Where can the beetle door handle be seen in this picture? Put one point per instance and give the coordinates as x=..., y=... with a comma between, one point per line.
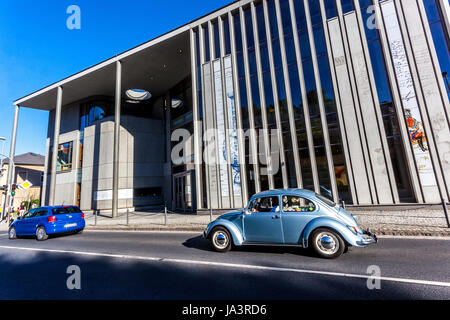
x=275, y=217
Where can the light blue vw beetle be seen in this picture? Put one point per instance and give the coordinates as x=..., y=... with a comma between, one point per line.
x=289, y=217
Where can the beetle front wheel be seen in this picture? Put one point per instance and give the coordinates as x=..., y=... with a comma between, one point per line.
x=221, y=239
x=327, y=243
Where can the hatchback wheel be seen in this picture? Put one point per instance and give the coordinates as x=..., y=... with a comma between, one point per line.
x=221, y=239
x=41, y=235
x=12, y=233
x=327, y=243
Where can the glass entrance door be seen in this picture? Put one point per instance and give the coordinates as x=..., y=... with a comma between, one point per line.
x=182, y=191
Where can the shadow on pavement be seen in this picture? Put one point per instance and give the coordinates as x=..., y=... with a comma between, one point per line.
x=200, y=243
x=25, y=275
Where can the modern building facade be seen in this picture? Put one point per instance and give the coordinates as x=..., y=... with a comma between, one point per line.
x=349, y=98
x=27, y=167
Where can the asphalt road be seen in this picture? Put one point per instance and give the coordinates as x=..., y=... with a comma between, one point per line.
x=157, y=265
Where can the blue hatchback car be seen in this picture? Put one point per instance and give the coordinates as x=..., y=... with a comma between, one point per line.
x=289, y=217
x=44, y=221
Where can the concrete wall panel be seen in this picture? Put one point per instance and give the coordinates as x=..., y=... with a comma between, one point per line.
x=370, y=121
x=349, y=115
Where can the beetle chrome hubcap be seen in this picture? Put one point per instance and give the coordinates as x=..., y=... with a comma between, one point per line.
x=40, y=233
x=220, y=239
x=12, y=233
x=327, y=243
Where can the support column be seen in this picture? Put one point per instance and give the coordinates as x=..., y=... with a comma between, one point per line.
x=12, y=151
x=197, y=126
x=237, y=101
x=55, y=146
x=115, y=196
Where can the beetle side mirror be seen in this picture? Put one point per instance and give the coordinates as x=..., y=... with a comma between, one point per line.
x=246, y=212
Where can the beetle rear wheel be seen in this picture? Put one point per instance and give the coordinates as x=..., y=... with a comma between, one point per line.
x=327, y=243
x=221, y=239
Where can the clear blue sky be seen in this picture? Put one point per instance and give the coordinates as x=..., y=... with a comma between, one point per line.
x=37, y=48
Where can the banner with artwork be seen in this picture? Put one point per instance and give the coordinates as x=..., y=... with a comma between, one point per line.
x=408, y=96
x=232, y=127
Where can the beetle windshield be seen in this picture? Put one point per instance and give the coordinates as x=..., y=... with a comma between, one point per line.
x=326, y=200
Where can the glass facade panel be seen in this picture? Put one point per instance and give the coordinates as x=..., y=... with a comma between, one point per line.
x=226, y=35
x=249, y=29
x=441, y=39
x=270, y=105
x=314, y=11
x=261, y=23
x=272, y=19
x=199, y=73
x=215, y=26
x=256, y=101
x=330, y=8
x=300, y=15
x=347, y=6
x=286, y=16
x=206, y=39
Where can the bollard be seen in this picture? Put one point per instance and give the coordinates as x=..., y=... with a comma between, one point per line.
x=343, y=204
x=444, y=204
x=95, y=214
x=210, y=215
x=165, y=216
x=127, y=215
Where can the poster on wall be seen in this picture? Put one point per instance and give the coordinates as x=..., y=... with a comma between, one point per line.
x=410, y=105
x=232, y=127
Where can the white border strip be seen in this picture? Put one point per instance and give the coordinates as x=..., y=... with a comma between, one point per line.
x=235, y=266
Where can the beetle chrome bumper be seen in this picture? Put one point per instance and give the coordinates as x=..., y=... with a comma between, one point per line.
x=368, y=238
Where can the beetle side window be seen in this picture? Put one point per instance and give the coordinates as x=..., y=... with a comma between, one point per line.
x=297, y=204
x=265, y=204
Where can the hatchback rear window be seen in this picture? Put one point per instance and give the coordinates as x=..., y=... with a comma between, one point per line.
x=66, y=210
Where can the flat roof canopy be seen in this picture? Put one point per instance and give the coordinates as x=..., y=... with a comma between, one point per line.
x=161, y=64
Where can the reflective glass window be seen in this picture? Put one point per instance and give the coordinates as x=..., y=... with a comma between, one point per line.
x=216, y=39
x=347, y=6
x=206, y=38
x=237, y=32
x=249, y=28
x=330, y=8
x=300, y=15
x=270, y=105
x=440, y=38
x=305, y=49
x=314, y=11
x=261, y=24
x=286, y=17
x=226, y=33
x=272, y=19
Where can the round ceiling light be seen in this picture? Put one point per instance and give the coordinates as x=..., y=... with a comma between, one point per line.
x=176, y=103
x=137, y=95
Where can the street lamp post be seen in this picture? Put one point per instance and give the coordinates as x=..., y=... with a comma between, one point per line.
x=3, y=145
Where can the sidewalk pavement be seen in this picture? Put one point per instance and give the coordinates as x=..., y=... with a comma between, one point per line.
x=415, y=222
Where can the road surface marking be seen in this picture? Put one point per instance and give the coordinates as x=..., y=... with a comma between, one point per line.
x=200, y=232
x=232, y=265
